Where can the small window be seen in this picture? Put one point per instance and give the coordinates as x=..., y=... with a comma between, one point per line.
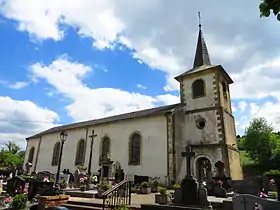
x=198, y=88
x=225, y=90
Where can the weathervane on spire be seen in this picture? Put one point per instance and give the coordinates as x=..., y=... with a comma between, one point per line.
x=199, y=20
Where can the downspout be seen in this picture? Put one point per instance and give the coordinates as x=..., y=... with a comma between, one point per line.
x=167, y=146
x=37, y=155
x=173, y=147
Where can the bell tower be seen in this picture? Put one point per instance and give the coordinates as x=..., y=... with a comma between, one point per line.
x=209, y=126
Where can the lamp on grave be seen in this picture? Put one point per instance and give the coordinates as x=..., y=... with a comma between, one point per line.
x=63, y=136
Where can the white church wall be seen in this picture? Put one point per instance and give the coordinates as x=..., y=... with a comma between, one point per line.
x=34, y=143
x=154, y=146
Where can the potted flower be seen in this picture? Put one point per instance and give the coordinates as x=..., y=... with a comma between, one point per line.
x=6, y=202
x=63, y=184
x=145, y=188
x=70, y=185
x=155, y=186
x=82, y=168
x=161, y=198
x=176, y=186
x=94, y=179
x=19, y=201
x=83, y=183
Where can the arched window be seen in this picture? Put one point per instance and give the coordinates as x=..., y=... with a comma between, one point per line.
x=105, y=148
x=80, y=152
x=134, y=149
x=198, y=88
x=31, y=155
x=56, y=151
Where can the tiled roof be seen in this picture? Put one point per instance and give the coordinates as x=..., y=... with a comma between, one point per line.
x=131, y=115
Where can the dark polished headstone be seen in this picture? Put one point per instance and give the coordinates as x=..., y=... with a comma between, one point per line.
x=189, y=191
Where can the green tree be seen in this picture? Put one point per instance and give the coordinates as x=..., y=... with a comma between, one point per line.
x=268, y=6
x=240, y=142
x=260, y=143
x=11, y=157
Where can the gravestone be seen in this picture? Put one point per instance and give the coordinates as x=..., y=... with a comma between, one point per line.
x=246, y=186
x=44, y=174
x=248, y=202
x=41, y=188
x=106, y=169
x=34, y=174
x=76, y=177
x=15, y=185
x=119, y=173
x=189, y=185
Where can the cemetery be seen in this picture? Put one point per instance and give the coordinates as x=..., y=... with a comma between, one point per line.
x=200, y=157
x=110, y=188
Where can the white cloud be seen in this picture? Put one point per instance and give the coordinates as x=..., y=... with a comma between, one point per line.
x=113, y=101
x=163, y=42
x=141, y=86
x=18, y=85
x=242, y=106
x=20, y=119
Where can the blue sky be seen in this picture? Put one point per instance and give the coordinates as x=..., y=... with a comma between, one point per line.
x=63, y=62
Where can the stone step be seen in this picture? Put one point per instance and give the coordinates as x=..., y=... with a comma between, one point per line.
x=82, y=194
x=80, y=207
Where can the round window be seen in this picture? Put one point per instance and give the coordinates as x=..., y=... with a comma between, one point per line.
x=200, y=123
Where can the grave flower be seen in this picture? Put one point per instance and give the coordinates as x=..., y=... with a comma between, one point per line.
x=263, y=195
x=6, y=202
x=271, y=181
x=46, y=179
x=83, y=181
x=94, y=178
x=220, y=182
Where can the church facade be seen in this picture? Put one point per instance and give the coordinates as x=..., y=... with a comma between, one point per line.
x=151, y=142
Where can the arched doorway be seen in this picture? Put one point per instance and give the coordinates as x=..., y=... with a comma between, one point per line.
x=203, y=169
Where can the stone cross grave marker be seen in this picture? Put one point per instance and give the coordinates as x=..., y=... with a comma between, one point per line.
x=188, y=154
x=189, y=185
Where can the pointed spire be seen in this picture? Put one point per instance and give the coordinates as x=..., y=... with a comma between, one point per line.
x=201, y=54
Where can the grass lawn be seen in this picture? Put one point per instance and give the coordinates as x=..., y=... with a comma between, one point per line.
x=244, y=159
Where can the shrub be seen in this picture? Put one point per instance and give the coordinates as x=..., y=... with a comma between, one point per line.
x=162, y=190
x=155, y=183
x=145, y=184
x=104, y=187
x=272, y=172
x=176, y=186
x=19, y=201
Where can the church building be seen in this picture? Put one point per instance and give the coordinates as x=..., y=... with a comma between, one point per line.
x=151, y=142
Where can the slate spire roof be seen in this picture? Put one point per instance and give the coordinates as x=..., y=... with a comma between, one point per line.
x=201, y=55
